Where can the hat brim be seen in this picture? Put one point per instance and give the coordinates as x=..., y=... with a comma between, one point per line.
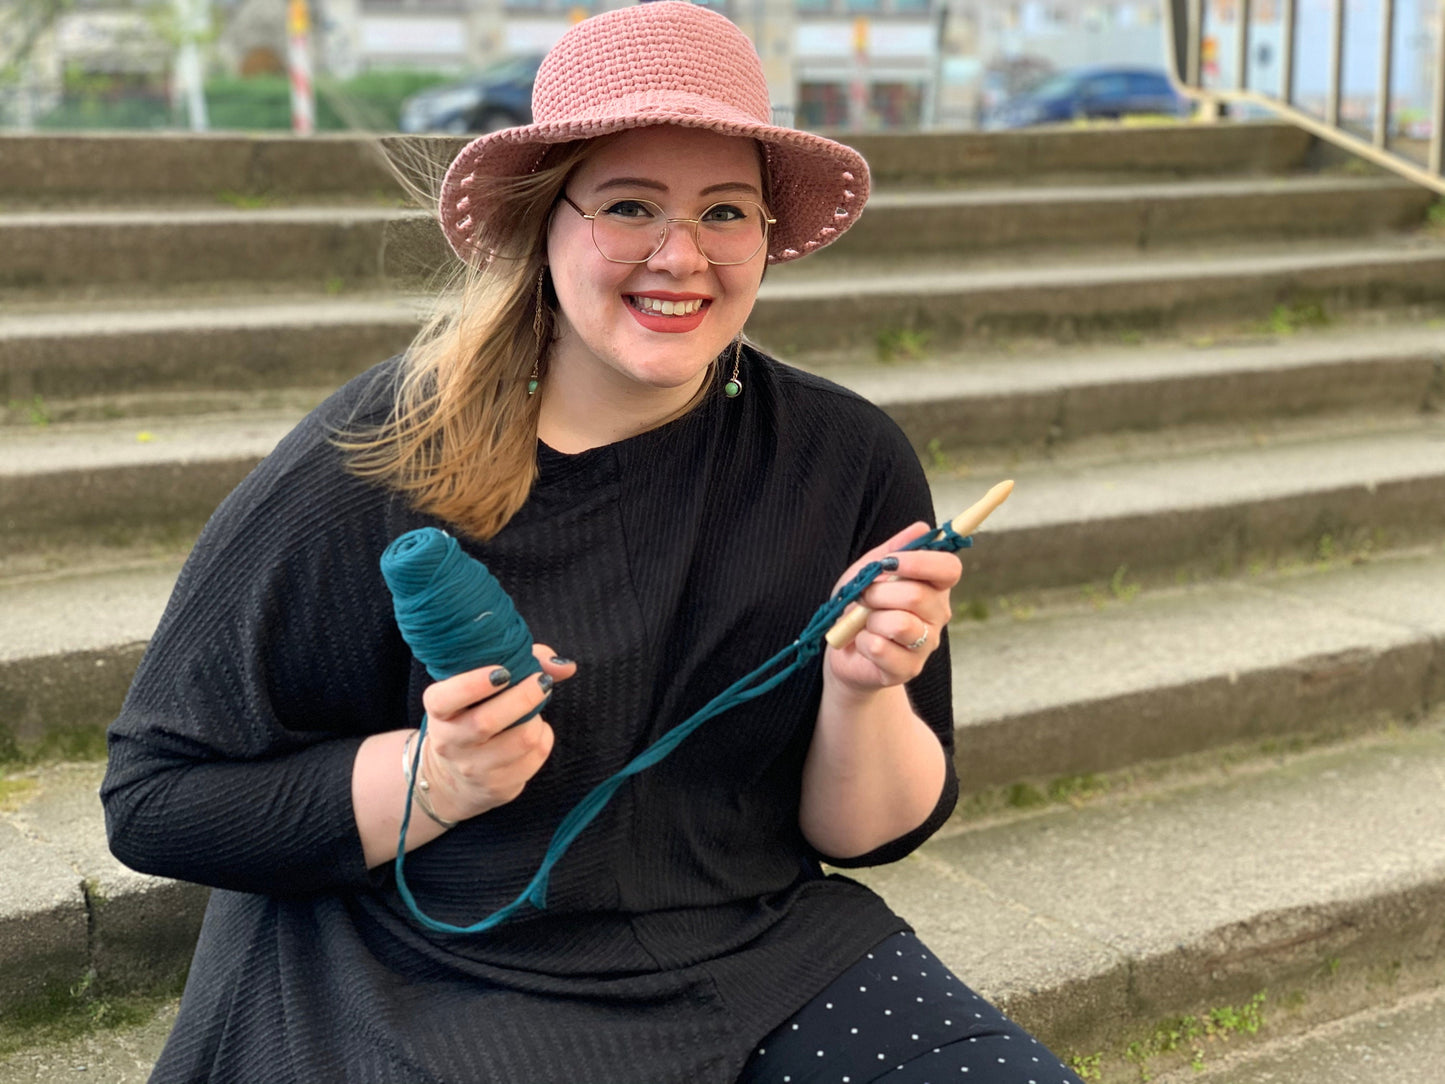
x=818, y=187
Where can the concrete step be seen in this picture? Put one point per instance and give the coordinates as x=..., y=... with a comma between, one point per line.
x=1142, y=216
x=128, y=166
x=245, y=343
x=1297, y=892
x=139, y=250
x=1397, y=1044
x=157, y=250
x=1070, y=152
x=941, y=305
x=970, y=402
x=1122, y=678
x=69, y=646
x=1191, y=516
x=125, y=483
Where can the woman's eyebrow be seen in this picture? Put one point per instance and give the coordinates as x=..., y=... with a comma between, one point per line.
x=658, y=186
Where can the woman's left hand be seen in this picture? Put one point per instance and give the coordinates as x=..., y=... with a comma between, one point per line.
x=910, y=608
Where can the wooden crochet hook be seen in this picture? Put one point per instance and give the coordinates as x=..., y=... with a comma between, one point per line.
x=967, y=521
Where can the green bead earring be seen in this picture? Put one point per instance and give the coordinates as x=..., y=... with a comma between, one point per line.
x=734, y=386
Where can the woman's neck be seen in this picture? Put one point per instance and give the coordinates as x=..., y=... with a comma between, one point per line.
x=583, y=408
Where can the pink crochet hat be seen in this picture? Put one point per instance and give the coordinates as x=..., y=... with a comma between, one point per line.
x=668, y=62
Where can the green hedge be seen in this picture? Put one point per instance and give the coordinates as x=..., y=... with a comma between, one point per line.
x=371, y=101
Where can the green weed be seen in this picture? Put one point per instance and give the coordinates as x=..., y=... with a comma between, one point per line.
x=34, y=410
x=334, y=285
x=1296, y=316
x=1119, y=587
x=901, y=344
x=1086, y=1065
x=15, y=792
x=975, y=609
x=245, y=201
x=937, y=457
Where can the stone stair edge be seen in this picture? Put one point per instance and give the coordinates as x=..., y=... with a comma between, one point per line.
x=81, y=163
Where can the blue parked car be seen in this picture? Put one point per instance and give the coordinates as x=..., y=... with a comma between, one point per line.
x=1094, y=92
x=498, y=96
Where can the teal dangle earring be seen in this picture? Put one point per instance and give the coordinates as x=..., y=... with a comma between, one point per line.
x=734, y=386
x=539, y=330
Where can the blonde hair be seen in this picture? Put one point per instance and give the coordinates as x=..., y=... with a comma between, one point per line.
x=460, y=441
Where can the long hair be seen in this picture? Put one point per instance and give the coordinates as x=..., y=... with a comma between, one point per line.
x=460, y=441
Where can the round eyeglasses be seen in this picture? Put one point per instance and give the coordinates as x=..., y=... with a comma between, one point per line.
x=632, y=230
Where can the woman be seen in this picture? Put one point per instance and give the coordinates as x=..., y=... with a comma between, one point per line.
x=666, y=506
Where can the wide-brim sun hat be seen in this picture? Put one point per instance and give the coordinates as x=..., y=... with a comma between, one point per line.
x=667, y=62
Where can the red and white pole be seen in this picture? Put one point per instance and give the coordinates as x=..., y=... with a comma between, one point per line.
x=303, y=97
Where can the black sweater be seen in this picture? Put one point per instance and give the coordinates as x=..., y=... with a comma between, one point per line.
x=690, y=919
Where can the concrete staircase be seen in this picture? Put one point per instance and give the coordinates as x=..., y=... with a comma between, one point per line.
x=1200, y=654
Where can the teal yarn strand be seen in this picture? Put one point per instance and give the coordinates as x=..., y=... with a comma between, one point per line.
x=428, y=567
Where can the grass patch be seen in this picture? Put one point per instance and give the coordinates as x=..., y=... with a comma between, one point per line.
x=16, y=792
x=1296, y=316
x=32, y=411
x=901, y=344
x=66, y=1013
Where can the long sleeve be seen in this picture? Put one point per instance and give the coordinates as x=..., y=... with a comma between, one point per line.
x=898, y=494
x=230, y=762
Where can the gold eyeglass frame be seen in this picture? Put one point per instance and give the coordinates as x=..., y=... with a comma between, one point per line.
x=768, y=223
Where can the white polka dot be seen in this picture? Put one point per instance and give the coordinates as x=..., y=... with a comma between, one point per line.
x=919, y=1000
x=795, y=1027
x=762, y=1050
x=1001, y=1061
x=853, y=1031
x=862, y=989
x=887, y=1012
x=895, y=978
x=820, y=1053
x=924, y=974
x=880, y=1057
x=828, y=1006
x=1005, y=1038
x=898, y=954
x=948, y=1023
x=915, y=1038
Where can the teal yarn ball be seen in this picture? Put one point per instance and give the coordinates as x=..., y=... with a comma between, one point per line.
x=451, y=610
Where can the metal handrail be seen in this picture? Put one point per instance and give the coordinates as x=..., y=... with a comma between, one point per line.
x=1185, y=21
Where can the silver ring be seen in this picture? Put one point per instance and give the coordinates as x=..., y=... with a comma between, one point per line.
x=918, y=642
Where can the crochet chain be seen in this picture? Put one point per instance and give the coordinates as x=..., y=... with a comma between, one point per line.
x=455, y=616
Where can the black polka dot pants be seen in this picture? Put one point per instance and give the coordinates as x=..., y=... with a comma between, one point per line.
x=899, y=1016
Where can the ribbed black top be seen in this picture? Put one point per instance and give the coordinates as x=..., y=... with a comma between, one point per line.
x=684, y=924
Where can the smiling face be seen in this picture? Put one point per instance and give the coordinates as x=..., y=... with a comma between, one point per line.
x=617, y=339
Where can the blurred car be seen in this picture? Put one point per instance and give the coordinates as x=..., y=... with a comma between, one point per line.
x=498, y=96
x=1093, y=92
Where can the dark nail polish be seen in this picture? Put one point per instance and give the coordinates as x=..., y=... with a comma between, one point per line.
x=500, y=676
x=544, y=682
x=890, y=564
x=557, y=660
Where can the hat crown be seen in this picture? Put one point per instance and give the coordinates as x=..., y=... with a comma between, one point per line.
x=663, y=52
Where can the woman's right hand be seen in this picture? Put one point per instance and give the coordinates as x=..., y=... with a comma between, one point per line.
x=475, y=757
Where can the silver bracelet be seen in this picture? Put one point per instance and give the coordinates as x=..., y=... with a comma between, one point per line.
x=422, y=791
